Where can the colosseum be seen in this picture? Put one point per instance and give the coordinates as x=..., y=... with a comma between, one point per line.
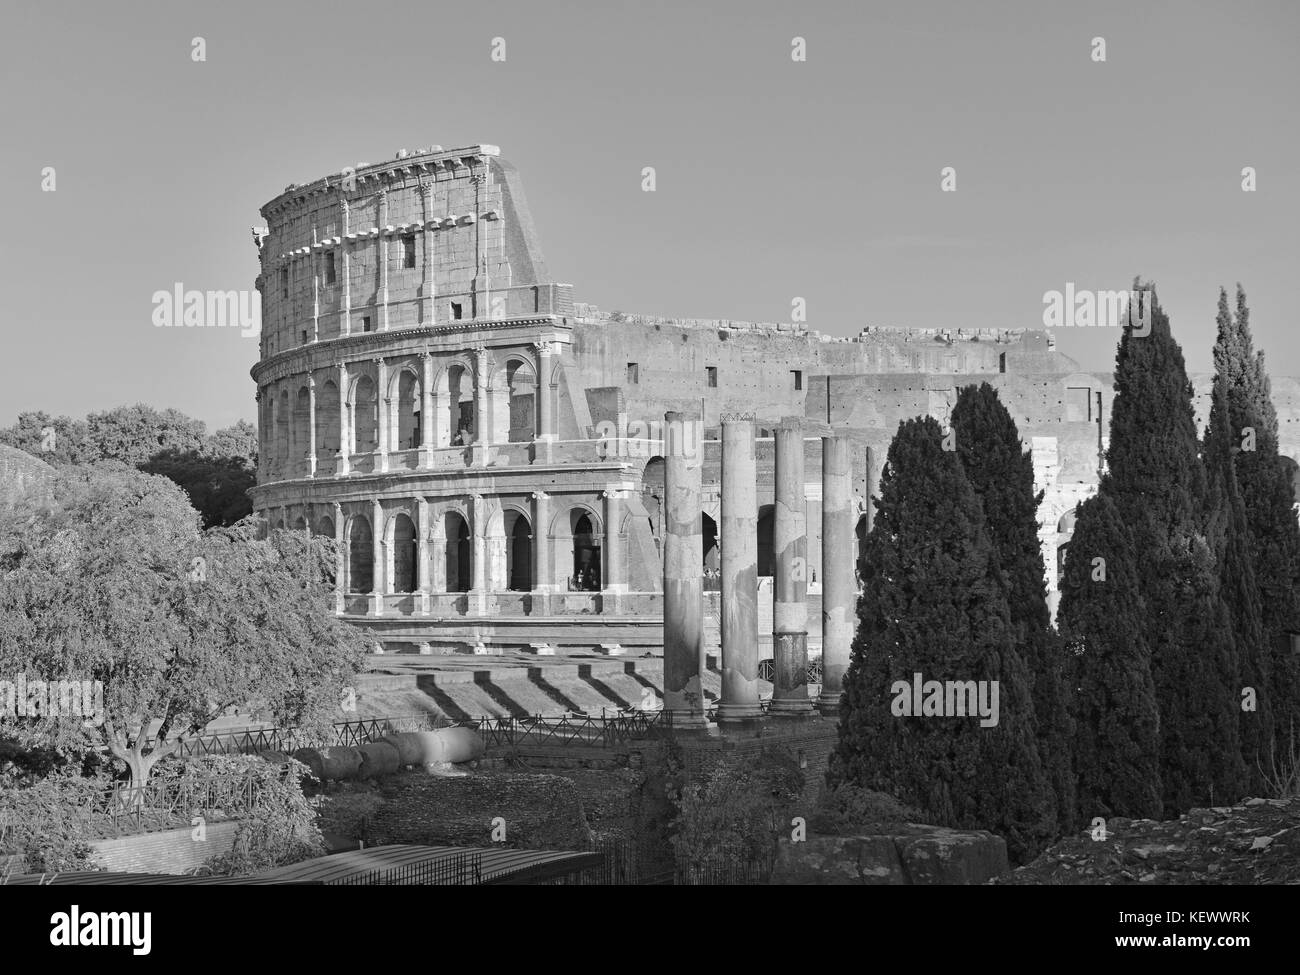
x=488, y=452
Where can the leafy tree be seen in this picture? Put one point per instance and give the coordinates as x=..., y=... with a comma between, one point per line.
x=1117, y=743
x=55, y=440
x=217, y=486
x=134, y=434
x=1157, y=482
x=933, y=604
x=115, y=583
x=1002, y=474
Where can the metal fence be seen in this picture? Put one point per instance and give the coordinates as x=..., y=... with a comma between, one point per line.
x=767, y=670
x=463, y=869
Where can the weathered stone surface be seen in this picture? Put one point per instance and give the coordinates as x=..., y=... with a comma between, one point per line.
x=1256, y=842
x=924, y=855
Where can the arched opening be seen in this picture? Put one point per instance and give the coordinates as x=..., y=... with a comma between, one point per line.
x=408, y=411
x=1066, y=525
x=519, y=552
x=652, y=497
x=766, y=548
x=1060, y=563
x=586, y=554
x=365, y=417
x=404, y=554
x=282, y=432
x=859, y=550
x=325, y=529
x=327, y=420
x=301, y=430
x=460, y=405
x=523, y=400
x=300, y=524
x=712, y=553
x=361, y=554
x=458, y=554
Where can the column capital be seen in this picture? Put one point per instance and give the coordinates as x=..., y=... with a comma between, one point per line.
x=311, y=381
x=613, y=495
x=541, y=496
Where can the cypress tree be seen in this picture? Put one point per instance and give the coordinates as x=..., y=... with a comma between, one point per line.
x=1268, y=495
x=1101, y=616
x=1156, y=480
x=1002, y=473
x=932, y=604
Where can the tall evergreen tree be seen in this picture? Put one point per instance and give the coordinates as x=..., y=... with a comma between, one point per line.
x=1266, y=478
x=1002, y=473
x=1101, y=615
x=933, y=605
x=1157, y=482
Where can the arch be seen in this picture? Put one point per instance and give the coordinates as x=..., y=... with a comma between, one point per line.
x=407, y=402
x=712, y=552
x=519, y=551
x=1066, y=525
x=327, y=419
x=361, y=554
x=325, y=527
x=300, y=434
x=455, y=387
x=766, y=534
x=586, y=551
x=458, y=552
x=282, y=431
x=300, y=524
x=365, y=416
x=1060, y=563
x=404, y=553
x=652, y=497
x=521, y=400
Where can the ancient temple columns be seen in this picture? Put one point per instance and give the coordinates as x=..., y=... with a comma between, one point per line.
x=422, y=554
x=683, y=572
x=379, y=561
x=426, y=408
x=345, y=428
x=482, y=415
x=541, y=552
x=340, y=558
x=838, y=588
x=739, y=565
x=383, y=410
x=790, y=547
x=613, y=569
x=311, y=426
x=545, y=401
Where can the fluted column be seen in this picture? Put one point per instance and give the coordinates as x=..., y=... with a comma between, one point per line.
x=482, y=403
x=311, y=426
x=838, y=588
x=545, y=401
x=382, y=410
x=426, y=410
x=345, y=429
x=478, y=539
x=542, y=585
x=345, y=252
x=422, y=555
x=790, y=605
x=377, y=569
x=739, y=563
x=683, y=572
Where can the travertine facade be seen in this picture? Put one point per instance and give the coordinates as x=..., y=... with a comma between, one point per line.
x=489, y=453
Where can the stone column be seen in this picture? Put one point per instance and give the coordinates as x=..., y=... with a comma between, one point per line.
x=790, y=545
x=482, y=404
x=613, y=570
x=739, y=540
x=427, y=290
x=541, y=553
x=377, y=569
x=422, y=555
x=345, y=430
x=261, y=435
x=345, y=253
x=340, y=559
x=383, y=260
x=478, y=539
x=838, y=588
x=683, y=572
x=315, y=288
x=382, y=410
x=311, y=426
x=545, y=402
x=426, y=410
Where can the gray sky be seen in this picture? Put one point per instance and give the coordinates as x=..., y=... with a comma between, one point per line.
x=775, y=179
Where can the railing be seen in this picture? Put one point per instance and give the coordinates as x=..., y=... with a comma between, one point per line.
x=289, y=740
x=767, y=671
x=604, y=731
x=462, y=869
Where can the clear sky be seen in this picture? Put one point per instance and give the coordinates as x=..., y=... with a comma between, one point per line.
x=775, y=179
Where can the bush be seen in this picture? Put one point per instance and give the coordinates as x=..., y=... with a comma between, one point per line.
x=850, y=809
